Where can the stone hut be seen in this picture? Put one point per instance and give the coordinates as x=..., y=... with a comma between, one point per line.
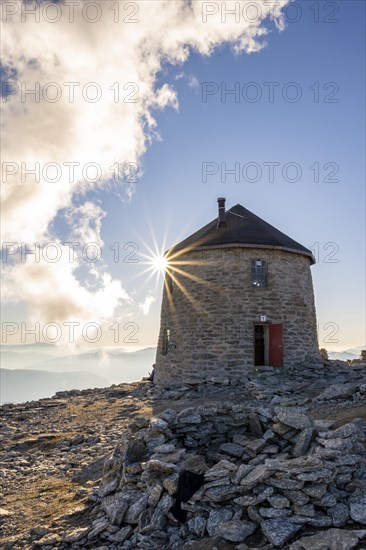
x=238, y=294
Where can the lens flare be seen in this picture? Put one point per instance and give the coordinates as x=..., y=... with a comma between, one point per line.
x=159, y=263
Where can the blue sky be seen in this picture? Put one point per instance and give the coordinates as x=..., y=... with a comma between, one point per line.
x=171, y=201
x=171, y=193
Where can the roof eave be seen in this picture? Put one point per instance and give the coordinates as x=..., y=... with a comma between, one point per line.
x=198, y=246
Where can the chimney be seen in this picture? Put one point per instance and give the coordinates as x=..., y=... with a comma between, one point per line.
x=221, y=220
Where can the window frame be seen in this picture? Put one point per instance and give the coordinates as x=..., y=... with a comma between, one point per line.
x=166, y=341
x=259, y=273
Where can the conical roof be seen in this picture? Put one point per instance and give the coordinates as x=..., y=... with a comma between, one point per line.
x=242, y=227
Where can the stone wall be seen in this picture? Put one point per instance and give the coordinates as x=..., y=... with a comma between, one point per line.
x=268, y=471
x=212, y=310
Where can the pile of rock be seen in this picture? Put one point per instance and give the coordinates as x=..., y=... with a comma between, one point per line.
x=313, y=386
x=268, y=474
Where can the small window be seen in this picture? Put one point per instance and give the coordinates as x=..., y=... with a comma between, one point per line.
x=166, y=341
x=170, y=281
x=259, y=273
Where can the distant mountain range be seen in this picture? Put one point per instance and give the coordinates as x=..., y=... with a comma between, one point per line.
x=19, y=385
x=33, y=371
x=352, y=353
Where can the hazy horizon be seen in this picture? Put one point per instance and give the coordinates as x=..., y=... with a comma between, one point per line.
x=39, y=371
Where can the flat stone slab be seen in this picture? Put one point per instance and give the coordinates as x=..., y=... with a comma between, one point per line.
x=160, y=466
x=294, y=419
x=334, y=539
x=236, y=531
x=257, y=475
x=337, y=391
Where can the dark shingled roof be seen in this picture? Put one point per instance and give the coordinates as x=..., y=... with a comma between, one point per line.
x=243, y=227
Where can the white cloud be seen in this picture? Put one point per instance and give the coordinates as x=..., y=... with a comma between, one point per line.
x=191, y=79
x=193, y=82
x=147, y=303
x=122, y=59
x=86, y=222
x=53, y=292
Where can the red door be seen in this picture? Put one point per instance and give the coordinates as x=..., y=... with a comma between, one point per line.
x=275, y=345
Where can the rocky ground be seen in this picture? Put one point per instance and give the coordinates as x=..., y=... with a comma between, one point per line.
x=72, y=476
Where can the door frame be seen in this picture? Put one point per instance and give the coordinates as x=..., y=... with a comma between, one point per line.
x=264, y=324
x=267, y=342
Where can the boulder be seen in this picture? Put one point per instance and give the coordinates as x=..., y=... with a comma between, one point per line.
x=236, y=531
x=358, y=511
x=279, y=531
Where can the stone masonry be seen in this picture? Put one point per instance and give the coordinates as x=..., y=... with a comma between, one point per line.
x=211, y=310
